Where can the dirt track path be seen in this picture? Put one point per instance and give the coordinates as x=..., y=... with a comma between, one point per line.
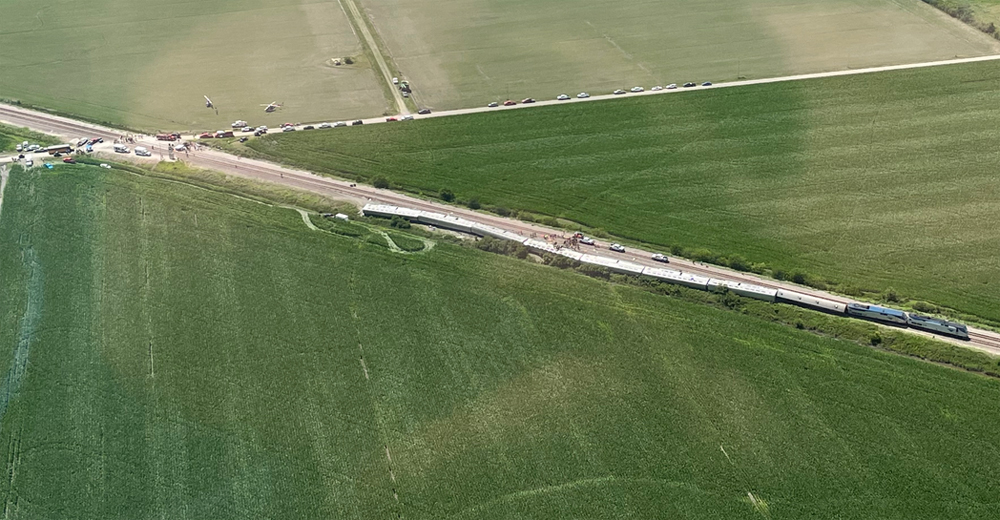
x=360, y=18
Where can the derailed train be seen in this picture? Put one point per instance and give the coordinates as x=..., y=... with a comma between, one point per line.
x=858, y=310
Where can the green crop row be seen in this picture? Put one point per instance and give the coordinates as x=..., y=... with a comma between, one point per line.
x=191, y=353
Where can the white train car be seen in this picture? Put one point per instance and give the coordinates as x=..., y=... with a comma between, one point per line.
x=613, y=265
x=541, y=246
x=747, y=290
x=811, y=302
x=379, y=210
x=485, y=230
x=678, y=277
x=569, y=253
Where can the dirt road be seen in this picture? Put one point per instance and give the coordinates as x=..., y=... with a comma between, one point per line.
x=359, y=20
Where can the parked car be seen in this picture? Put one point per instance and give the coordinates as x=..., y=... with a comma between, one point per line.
x=249, y=129
x=206, y=135
x=340, y=123
x=424, y=111
x=707, y=84
x=618, y=92
x=528, y=100
x=309, y=127
x=583, y=95
x=509, y=103
x=29, y=163
x=391, y=119
x=587, y=240
x=661, y=258
x=618, y=248
x=69, y=160
x=494, y=104
x=671, y=86
x=562, y=97
x=358, y=122
x=656, y=88
x=689, y=85
x=288, y=129
x=244, y=139
x=637, y=89
x=408, y=117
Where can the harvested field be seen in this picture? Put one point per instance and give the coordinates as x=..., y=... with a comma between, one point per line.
x=469, y=52
x=146, y=64
x=175, y=352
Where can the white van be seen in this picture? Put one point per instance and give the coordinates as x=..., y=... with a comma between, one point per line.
x=120, y=148
x=142, y=152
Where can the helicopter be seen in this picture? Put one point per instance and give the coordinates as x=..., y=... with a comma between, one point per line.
x=271, y=107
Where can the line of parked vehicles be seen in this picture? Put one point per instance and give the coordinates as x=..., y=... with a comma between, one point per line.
x=585, y=95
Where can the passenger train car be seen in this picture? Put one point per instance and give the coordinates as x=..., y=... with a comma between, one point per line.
x=759, y=292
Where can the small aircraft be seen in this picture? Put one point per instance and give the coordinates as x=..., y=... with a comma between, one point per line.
x=208, y=103
x=271, y=107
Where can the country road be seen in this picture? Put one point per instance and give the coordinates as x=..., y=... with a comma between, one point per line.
x=255, y=169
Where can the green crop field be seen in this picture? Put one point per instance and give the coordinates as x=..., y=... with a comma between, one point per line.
x=147, y=64
x=11, y=136
x=877, y=181
x=174, y=352
x=469, y=52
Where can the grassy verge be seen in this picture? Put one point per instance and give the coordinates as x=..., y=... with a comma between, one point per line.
x=976, y=13
x=11, y=136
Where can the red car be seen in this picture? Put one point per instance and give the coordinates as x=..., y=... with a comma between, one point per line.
x=96, y=140
x=509, y=103
x=206, y=135
x=69, y=160
x=391, y=119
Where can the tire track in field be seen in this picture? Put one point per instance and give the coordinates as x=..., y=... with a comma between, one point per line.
x=3, y=184
x=11, y=385
x=372, y=392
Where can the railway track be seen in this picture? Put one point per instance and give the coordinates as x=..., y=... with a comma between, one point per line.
x=260, y=170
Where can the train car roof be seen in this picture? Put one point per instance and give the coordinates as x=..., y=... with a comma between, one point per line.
x=876, y=308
